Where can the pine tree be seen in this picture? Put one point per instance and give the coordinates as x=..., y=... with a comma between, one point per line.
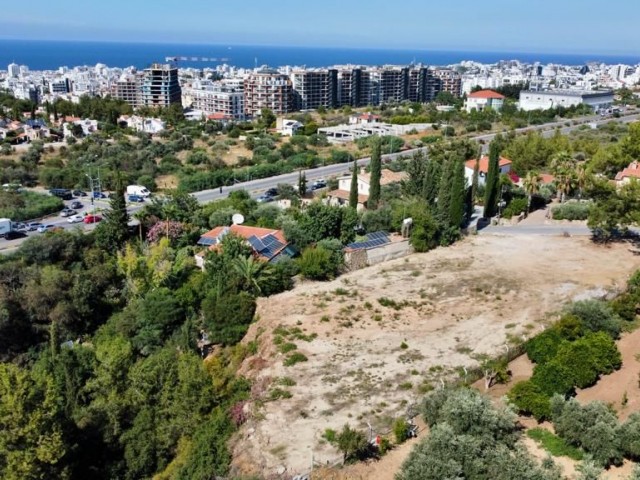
x=353, y=192
x=458, y=193
x=431, y=181
x=113, y=232
x=492, y=183
x=376, y=173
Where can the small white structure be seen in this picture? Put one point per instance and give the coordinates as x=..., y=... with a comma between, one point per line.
x=88, y=127
x=543, y=100
x=143, y=124
x=350, y=133
x=483, y=99
x=288, y=128
x=364, y=119
x=628, y=174
x=340, y=197
x=483, y=168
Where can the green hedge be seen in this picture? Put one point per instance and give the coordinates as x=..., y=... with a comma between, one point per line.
x=571, y=211
x=28, y=205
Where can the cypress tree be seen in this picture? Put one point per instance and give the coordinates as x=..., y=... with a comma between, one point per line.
x=492, y=183
x=476, y=173
x=376, y=173
x=113, y=232
x=353, y=192
x=444, y=192
x=431, y=181
x=458, y=193
x=302, y=184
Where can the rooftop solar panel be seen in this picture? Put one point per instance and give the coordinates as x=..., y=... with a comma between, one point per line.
x=206, y=241
x=377, y=235
x=256, y=243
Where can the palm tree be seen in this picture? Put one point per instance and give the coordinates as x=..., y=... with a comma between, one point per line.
x=252, y=272
x=581, y=178
x=563, y=166
x=531, y=184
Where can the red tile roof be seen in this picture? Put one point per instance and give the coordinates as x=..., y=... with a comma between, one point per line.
x=219, y=116
x=344, y=195
x=483, y=167
x=486, y=94
x=546, y=178
x=246, y=232
x=633, y=171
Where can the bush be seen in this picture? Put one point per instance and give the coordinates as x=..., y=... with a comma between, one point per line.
x=28, y=205
x=227, y=317
x=401, y=430
x=571, y=211
x=530, y=400
x=543, y=347
x=597, y=316
x=630, y=437
x=294, y=358
x=555, y=445
x=515, y=207
x=317, y=263
x=553, y=377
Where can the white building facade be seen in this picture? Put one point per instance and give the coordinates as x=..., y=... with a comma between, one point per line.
x=543, y=100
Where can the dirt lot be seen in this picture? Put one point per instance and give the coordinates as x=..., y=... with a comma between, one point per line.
x=378, y=338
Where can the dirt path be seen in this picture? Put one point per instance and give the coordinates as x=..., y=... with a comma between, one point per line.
x=377, y=339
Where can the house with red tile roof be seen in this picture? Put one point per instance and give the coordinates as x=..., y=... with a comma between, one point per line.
x=484, y=99
x=268, y=245
x=483, y=168
x=340, y=197
x=629, y=173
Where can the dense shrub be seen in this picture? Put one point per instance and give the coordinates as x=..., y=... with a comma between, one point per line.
x=553, y=377
x=28, y=205
x=630, y=437
x=515, y=207
x=317, y=263
x=529, y=398
x=571, y=211
x=597, y=316
x=543, y=347
x=228, y=316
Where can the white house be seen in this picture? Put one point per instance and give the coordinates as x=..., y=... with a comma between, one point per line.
x=483, y=168
x=364, y=119
x=484, y=99
x=629, y=173
x=143, y=124
x=340, y=197
x=288, y=128
x=88, y=127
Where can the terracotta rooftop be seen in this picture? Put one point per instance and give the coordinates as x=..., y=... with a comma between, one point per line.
x=387, y=177
x=254, y=235
x=344, y=195
x=632, y=171
x=483, y=167
x=486, y=94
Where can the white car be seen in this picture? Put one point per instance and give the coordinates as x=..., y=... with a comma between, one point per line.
x=75, y=218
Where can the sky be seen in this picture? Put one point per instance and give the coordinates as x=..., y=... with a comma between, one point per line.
x=540, y=26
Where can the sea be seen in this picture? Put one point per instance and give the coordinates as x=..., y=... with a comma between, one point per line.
x=49, y=55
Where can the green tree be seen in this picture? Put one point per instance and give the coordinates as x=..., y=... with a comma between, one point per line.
x=431, y=182
x=302, y=183
x=474, y=178
x=492, y=183
x=458, y=194
x=317, y=263
x=352, y=443
x=444, y=192
x=113, y=232
x=252, y=273
x=531, y=185
x=376, y=173
x=353, y=191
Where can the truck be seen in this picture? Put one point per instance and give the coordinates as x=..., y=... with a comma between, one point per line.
x=9, y=229
x=138, y=190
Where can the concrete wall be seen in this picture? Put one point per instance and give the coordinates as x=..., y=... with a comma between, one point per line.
x=362, y=258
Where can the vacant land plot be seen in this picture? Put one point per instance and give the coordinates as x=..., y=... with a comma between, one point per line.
x=364, y=348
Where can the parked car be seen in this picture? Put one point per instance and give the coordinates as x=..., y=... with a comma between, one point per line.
x=92, y=219
x=79, y=193
x=33, y=226
x=67, y=212
x=272, y=192
x=77, y=218
x=62, y=193
x=21, y=227
x=136, y=198
x=46, y=228
x=98, y=195
x=264, y=199
x=76, y=205
x=320, y=183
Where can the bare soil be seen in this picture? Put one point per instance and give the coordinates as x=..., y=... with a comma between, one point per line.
x=377, y=339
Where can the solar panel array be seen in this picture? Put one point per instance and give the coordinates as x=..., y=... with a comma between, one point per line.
x=375, y=239
x=268, y=246
x=207, y=241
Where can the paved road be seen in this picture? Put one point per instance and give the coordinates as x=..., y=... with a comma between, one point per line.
x=255, y=187
x=572, y=230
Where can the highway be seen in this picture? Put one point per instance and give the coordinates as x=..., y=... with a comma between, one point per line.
x=256, y=187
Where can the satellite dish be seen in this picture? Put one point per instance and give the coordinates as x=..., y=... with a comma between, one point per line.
x=237, y=219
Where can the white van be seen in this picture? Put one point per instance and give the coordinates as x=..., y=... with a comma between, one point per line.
x=138, y=190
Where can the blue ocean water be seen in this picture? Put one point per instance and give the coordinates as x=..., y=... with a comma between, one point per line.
x=49, y=55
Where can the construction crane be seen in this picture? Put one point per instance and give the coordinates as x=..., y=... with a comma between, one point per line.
x=195, y=59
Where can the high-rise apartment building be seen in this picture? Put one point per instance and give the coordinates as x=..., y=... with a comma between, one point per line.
x=128, y=89
x=223, y=97
x=312, y=89
x=160, y=86
x=450, y=81
x=270, y=89
x=353, y=87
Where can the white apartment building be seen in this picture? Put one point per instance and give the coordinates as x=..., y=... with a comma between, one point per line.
x=543, y=100
x=224, y=97
x=484, y=99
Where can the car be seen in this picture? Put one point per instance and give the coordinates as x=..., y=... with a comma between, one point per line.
x=12, y=235
x=320, y=183
x=98, y=195
x=92, y=219
x=264, y=199
x=272, y=192
x=67, y=212
x=77, y=218
x=21, y=227
x=79, y=193
x=136, y=198
x=76, y=205
x=33, y=226
x=45, y=228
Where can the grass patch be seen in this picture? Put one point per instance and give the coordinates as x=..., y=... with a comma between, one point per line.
x=287, y=347
x=555, y=445
x=294, y=358
x=286, y=382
